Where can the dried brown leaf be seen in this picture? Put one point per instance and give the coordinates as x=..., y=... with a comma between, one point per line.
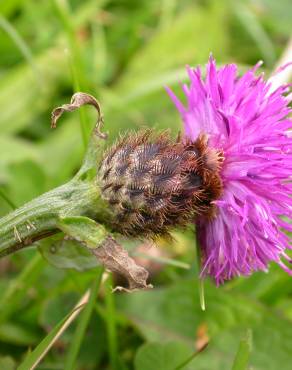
x=116, y=259
x=78, y=100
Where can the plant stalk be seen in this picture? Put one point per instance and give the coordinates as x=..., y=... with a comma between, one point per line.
x=38, y=218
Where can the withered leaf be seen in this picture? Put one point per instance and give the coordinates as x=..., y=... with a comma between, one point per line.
x=116, y=259
x=78, y=100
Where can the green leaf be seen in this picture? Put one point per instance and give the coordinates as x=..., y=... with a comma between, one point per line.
x=163, y=356
x=7, y=363
x=84, y=230
x=17, y=334
x=174, y=312
x=268, y=288
x=67, y=253
x=243, y=354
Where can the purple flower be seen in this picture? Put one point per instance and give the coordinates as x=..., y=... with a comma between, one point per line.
x=247, y=119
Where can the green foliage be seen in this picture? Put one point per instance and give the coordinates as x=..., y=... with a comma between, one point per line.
x=242, y=356
x=83, y=229
x=124, y=53
x=173, y=312
x=67, y=253
x=82, y=325
x=166, y=356
x=33, y=358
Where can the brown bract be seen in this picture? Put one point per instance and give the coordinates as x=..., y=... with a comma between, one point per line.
x=153, y=183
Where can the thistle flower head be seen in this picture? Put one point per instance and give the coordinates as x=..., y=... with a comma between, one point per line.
x=246, y=119
x=153, y=183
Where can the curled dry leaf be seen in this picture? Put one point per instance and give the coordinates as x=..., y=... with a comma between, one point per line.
x=116, y=259
x=78, y=100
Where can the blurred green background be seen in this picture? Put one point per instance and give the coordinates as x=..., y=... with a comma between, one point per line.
x=124, y=53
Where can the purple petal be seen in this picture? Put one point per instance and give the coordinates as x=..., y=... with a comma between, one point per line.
x=249, y=121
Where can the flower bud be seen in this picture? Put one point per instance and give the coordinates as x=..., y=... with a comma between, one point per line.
x=153, y=183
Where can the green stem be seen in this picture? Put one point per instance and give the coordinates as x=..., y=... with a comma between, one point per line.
x=201, y=280
x=111, y=325
x=79, y=197
x=187, y=361
x=39, y=218
x=63, y=12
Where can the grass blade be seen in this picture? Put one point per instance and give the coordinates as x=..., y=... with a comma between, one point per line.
x=243, y=354
x=72, y=354
x=187, y=361
x=75, y=60
x=201, y=280
x=163, y=260
x=21, y=45
x=35, y=357
x=18, y=287
x=111, y=325
x=7, y=199
x=256, y=31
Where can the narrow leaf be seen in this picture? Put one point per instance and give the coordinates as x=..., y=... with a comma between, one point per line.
x=34, y=358
x=18, y=287
x=72, y=354
x=243, y=354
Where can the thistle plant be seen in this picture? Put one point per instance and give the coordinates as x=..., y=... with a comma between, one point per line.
x=229, y=174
